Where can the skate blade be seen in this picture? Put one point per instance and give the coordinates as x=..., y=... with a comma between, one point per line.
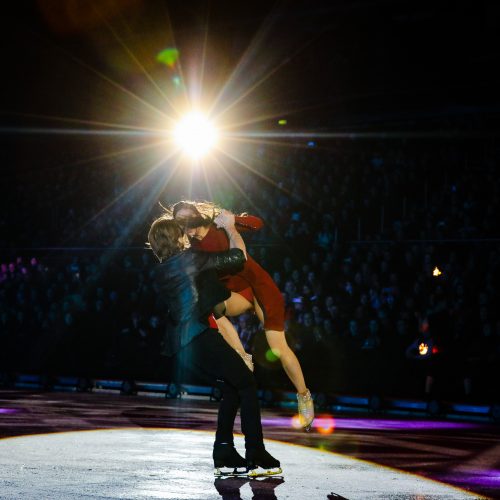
x=307, y=426
x=229, y=471
x=264, y=472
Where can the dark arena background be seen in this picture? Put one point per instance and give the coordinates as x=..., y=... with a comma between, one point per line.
x=363, y=133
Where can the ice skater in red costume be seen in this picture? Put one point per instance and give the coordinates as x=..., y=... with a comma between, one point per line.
x=251, y=288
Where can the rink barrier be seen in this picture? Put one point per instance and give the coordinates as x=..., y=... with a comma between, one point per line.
x=328, y=403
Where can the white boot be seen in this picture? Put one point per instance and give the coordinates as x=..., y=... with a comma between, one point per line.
x=306, y=410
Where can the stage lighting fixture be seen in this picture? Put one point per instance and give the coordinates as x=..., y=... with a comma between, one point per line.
x=195, y=135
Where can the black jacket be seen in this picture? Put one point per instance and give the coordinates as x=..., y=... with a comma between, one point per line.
x=189, y=286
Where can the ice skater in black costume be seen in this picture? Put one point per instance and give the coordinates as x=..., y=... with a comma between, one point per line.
x=187, y=282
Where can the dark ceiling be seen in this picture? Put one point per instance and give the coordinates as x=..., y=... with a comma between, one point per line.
x=317, y=64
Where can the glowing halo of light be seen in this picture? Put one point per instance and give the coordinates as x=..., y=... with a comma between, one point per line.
x=195, y=135
x=273, y=355
x=295, y=422
x=423, y=349
x=168, y=56
x=436, y=272
x=324, y=424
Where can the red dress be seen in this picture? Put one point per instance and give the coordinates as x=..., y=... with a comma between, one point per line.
x=252, y=281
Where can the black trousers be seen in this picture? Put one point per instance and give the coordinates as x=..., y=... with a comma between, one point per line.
x=211, y=355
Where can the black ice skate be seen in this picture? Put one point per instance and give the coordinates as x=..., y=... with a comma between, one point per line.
x=261, y=463
x=227, y=461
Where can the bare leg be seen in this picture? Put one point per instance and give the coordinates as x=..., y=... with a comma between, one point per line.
x=237, y=304
x=230, y=334
x=277, y=342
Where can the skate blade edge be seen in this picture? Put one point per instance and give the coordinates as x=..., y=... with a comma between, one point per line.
x=265, y=472
x=229, y=472
x=306, y=426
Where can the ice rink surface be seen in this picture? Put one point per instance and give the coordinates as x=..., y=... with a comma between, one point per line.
x=176, y=464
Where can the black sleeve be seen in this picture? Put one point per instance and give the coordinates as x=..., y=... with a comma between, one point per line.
x=230, y=261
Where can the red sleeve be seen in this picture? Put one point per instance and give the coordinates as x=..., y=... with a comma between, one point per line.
x=248, y=223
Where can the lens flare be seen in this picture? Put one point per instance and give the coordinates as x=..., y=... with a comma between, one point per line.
x=176, y=80
x=168, y=56
x=423, y=349
x=195, y=135
x=273, y=355
x=325, y=424
x=295, y=422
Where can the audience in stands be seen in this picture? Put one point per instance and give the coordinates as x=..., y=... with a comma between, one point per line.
x=382, y=251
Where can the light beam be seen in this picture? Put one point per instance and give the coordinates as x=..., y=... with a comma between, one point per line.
x=195, y=135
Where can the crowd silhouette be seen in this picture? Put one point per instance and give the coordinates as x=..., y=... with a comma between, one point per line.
x=387, y=253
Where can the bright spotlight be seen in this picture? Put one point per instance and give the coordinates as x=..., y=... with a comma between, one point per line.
x=195, y=135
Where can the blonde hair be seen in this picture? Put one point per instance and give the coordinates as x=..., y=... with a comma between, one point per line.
x=204, y=213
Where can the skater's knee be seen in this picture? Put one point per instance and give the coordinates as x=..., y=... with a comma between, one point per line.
x=276, y=339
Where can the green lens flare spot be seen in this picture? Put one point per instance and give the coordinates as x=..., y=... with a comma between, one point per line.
x=168, y=56
x=272, y=355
